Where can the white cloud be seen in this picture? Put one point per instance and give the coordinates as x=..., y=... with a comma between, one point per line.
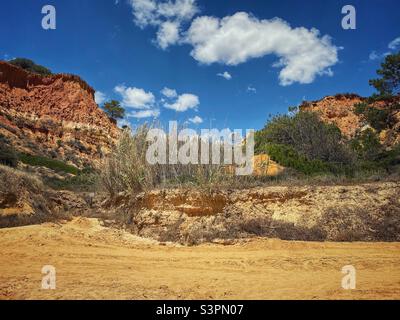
x=184, y=102
x=196, y=120
x=141, y=114
x=394, y=44
x=181, y=10
x=166, y=15
x=378, y=56
x=135, y=98
x=99, y=97
x=374, y=56
x=180, y=103
x=225, y=75
x=169, y=93
x=144, y=12
x=168, y=34
x=303, y=53
x=251, y=89
x=146, y=104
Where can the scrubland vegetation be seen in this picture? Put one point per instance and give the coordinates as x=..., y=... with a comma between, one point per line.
x=305, y=143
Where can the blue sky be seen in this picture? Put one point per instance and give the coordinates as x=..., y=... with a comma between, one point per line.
x=132, y=50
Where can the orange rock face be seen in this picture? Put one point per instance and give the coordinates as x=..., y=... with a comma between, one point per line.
x=264, y=166
x=53, y=116
x=338, y=110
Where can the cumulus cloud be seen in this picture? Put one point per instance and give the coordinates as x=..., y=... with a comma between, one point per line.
x=303, y=53
x=167, y=16
x=168, y=34
x=180, y=10
x=196, y=120
x=141, y=114
x=393, y=45
x=226, y=75
x=100, y=97
x=144, y=12
x=184, y=102
x=179, y=103
x=135, y=97
x=146, y=105
x=169, y=93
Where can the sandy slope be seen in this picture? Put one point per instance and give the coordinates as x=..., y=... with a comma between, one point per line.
x=94, y=262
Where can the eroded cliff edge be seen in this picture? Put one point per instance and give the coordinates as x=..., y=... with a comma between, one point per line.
x=55, y=116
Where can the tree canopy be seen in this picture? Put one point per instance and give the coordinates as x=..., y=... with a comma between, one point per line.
x=114, y=110
x=389, y=82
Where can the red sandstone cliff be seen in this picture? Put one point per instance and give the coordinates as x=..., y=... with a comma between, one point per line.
x=339, y=109
x=54, y=116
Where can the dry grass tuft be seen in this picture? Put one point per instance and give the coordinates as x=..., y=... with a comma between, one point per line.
x=128, y=170
x=25, y=201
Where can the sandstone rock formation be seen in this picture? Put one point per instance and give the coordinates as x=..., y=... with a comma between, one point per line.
x=364, y=212
x=339, y=109
x=54, y=116
x=265, y=166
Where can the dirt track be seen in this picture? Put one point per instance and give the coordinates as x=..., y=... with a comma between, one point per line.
x=94, y=262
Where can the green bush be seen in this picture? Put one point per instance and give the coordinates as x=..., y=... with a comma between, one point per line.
x=289, y=157
x=377, y=118
x=83, y=182
x=367, y=146
x=53, y=164
x=309, y=136
x=371, y=154
x=30, y=66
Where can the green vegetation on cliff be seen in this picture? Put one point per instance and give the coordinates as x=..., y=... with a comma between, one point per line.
x=30, y=66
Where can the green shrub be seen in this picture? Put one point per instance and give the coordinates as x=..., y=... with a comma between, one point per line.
x=377, y=118
x=289, y=157
x=83, y=182
x=371, y=154
x=30, y=66
x=53, y=164
x=307, y=135
x=367, y=146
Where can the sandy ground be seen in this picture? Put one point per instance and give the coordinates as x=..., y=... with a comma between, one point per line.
x=94, y=262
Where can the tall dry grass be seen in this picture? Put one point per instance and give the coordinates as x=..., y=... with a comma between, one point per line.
x=127, y=168
x=24, y=200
